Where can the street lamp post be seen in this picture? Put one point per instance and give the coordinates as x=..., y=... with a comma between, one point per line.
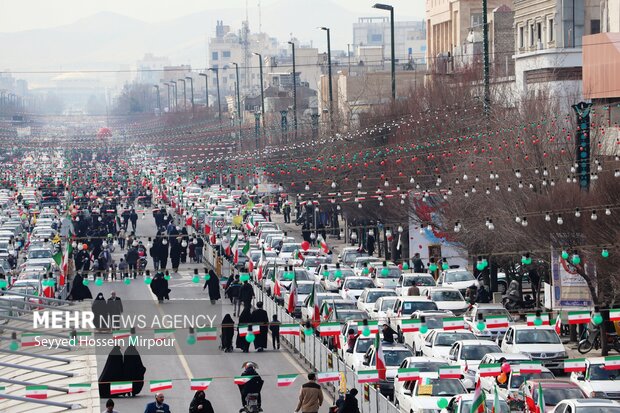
x=191, y=88
x=184, y=95
x=262, y=86
x=168, y=85
x=238, y=93
x=206, y=90
x=219, y=102
x=158, y=101
x=294, y=90
x=329, y=72
x=176, y=98
x=391, y=10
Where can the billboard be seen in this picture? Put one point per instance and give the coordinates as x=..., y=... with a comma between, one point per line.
x=570, y=289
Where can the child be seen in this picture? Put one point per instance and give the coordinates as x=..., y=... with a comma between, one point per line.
x=275, y=331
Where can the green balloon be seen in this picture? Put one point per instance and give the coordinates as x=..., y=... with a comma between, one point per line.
x=432, y=267
x=576, y=259
x=207, y=277
x=148, y=280
x=405, y=266
x=250, y=337
x=167, y=277
x=14, y=346
x=365, y=271
x=442, y=403
x=564, y=255
x=308, y=331
x=445, y=266
x=99, y=281
x=385, y=271
x=366, y=331
x=526, y=260
x=3, y=283
x=191, y=339
x=538, y=321
x=287, y=275
x=423, y=329
x=195, y=279
x=338, y=274
x=85, y=281
x=127, y=280
x=481, y=325
x=245, y=277
x=326, y=274
x=597, y=319
x=480, y=266
x=605, y=253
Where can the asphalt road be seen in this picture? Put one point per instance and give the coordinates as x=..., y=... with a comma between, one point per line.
x=204, y=359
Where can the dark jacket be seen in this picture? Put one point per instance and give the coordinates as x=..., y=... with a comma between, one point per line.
x=247, y=292
x=152, y=408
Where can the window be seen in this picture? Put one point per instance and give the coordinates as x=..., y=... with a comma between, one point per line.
x=521, y=36
x=214, y=55
x=595, y=26
x=476, y=19
x=550, y=30
x=226, y=53
x=539, y=31
x=531, y=35
x=376, y=38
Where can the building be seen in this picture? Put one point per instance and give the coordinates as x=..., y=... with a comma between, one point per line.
x=410, y=38
x=548, y=46
x=610, y=16
x=454, y=34
x=150, y=68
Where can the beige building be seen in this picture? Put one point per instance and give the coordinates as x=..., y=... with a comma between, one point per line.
x=453, y=30
x=610, y=16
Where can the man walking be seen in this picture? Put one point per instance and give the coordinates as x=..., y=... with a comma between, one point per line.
x=158, y=406
x=310, y=397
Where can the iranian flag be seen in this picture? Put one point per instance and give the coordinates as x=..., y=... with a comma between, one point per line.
x=28, y=339
x=325, y=310
x=408, y=374
x=121, y=387
x=316, y=313
x=453, y=323
x=614, y=314
x=496, y=321
x=323, y=244
x=285, y=380
x=206, y=334
x=159, y=385
x=261, y=263
x=579, y=317
x=327, y=376
x=529, y=367
x=373, y=326
x=79, y=388
x=163, y=333
x=277, y=290
x=292, y=298
x=243, y=330
x=558, y=325
x=410, y=325
x=541, y=400
x=478, y=404
x=64, y=266
x=497, y=408
x=329, y=329
x=368, y=376
x=120, y=334
x=242, y=379
x=544, y=317
x=380, y=357
x=450, y=372
x=248, y=225
x=200, y=384
x=36, y=392
x=612, y=363
x=489, y=370
x=290, y=329
x=575, y=365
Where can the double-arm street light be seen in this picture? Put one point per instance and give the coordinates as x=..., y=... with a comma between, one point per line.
x=168, y=86
x=238, y=93
x=176, y=98
x=184, y=95
x=262, y=86
x=329, y=72
x=391, y=10
x=206, y=90
x=219, y=102
x=158, y=101
x=294, y=89
x=191, y=88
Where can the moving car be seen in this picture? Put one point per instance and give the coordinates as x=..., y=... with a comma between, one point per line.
x=352, y=287
x=409, y=279
x=554, y=391
x=393, y=354
x=598, y=381
x=587, y=406
x=447, y=299
x=421, y=396
x=437, y=343
x=495, y=317
x=541, y=343
x=462, y=404
x=458, y=278
x=366, y=301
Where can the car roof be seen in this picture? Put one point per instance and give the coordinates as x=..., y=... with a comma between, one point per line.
x=415, y=298
x=526, y=327
x=593, y=402
x=416, y=274
x=489, y=306
x=508, y=356
x=394, y=346
x=476, y=342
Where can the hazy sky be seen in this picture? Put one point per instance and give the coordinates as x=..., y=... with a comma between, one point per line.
x=17, y=15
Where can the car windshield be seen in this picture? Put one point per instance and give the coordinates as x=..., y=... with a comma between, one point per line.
x=598, y=372
x=363, y=345
x=352, y=255
x=488, y=312
x=429, y=367
x=503, y=406
x=393, y=358
x=606, y=409
x=537, y=337
x=343, y=305
x=478, y=351
x=409, y=307
x=346, y=272
x=447, y=339
x=288, y=275
x=440, y=387
x=554, y=395
x=304, y=288
x=446, y=296
x=516, y=380
x=358, y=284
x=290, y=247
x=420, y=281
x=350, y=315
x=458, y=276
x=374, y=296
x=385, y=304
x=434, y=322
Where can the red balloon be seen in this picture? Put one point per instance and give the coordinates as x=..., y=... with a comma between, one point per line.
x=305, y=245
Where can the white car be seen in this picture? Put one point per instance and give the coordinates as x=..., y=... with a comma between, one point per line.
x=462, y=404
x=495, y=317
x=368, y=298
x=307, y=311
x=354, y=356
x=393, y=354
x=304, y=288
x=432, y=319
x=597, y=381
x=586, y=406
x=421, y=396
x=458, y=278
x=387, y=276
x=423, y=364
x=468, y=353
x=446, y=299
x=372, y=263
x=410, y=279
x=352, y=287
x=404, y=307
x=381, y=307
x=437, y=343
x=327, y=276
x=288, y=249
x=541, y=343
x=488, y=383
x=348, y=255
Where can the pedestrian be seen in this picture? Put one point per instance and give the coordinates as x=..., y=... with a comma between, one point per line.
x=350, y=403
x=154, y=252
x=370, y=244
x=191, y=251
x=79, y=291
x=112, y=371
x=260, y=319
x=122, y=235
x=109, y=407
x=159, y=287
x=233, y=291
x=310, y=397
x=163, y=251
x=158, y=406
x=183, y=245
x=133, y=217
x=175, y=254
x=100, y=312
x=418, y=265
x=123, y=268
x=228, y=332
x=198, y=249
x=132, y=257
x=274, y=326
x=133, y=369
x=115, y=308
x=246, y=294
x=244, y=318
x=213, y=282
x=200, y=404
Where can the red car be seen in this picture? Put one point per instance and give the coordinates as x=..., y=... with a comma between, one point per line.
x=553, y=392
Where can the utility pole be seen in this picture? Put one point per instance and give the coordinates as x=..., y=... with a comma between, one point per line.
x=329, y=73
x=393, y=65
x=294, y=91
x=219, y=101
x=191, y=88
x=206, y=91
x=485, y=46
x=184, y=95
